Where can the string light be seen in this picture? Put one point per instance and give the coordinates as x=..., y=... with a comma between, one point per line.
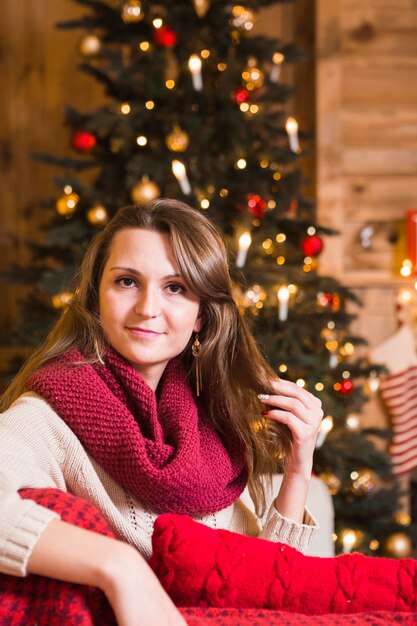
x=241, y=164
x=144, y=46
x=325, y=427
x=291, y=127
x=157, y=22
x=283, y=296
x=141, y=140
x=125, y=108
x=407, y=267
x=180, y=173
x=245, y=241
x=205, y=203
x=150, y=104
x=349, y=539
x=281, y=237
x=194, y=65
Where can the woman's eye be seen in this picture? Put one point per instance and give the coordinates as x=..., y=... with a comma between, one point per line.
x=125, y=281
x=176, y=288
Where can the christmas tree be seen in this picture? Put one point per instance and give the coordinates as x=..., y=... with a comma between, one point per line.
x=196, y=109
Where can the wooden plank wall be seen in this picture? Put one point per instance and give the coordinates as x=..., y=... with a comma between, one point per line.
x=39, y=78
x=366, y=77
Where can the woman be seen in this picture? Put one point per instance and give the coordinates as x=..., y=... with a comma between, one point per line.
x=107, y=410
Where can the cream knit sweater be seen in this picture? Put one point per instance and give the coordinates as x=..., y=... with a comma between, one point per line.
x=38, y=449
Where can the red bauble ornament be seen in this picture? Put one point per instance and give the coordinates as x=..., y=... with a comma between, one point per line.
x=312, y=245
x=240, y=95
x=83, y=141
x=165, y=37
x=346, y=386
x=256, y=205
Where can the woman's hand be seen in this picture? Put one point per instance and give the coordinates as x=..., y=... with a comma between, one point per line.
x=136, y=595
x=302, y=413
x=76, y=555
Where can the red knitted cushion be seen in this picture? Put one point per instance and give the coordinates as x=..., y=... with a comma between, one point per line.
x=199, y=566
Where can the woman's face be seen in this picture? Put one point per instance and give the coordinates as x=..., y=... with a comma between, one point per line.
x=147, y=310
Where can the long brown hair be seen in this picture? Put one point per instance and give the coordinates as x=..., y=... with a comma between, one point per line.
x=233, y=369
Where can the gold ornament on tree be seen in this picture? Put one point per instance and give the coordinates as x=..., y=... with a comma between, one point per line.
x=97, y=215
x=60, y=300
x=177, y=140
x=201, y=7
x=241, y=19
x=398, y=545
x=90, y=45
x=252, y=76
x=363, y=482
x=132, y=12
x=67, y=204
x=332, y=482
x=144, y=191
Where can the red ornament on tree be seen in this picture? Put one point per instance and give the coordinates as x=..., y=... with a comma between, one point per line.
x=165, y=37
x=83, y=141
x=312, y=245
x=240, y=95
x=256, y=205
x=345, y=387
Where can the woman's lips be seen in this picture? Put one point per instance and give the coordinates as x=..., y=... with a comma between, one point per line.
x=143, y=332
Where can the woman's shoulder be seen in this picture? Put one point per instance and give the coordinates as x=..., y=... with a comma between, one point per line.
x=31, y=409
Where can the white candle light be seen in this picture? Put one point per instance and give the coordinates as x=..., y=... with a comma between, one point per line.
x=244, y=243
x=349, y=539
x=325, y=427
x=194, y=65
x=283, y=295
x=180, y=173
x=278, y=59
x=292, y=129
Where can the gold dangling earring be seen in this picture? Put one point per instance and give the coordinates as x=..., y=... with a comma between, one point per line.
x=196, y=349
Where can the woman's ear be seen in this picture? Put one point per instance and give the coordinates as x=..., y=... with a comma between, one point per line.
x=199, y=322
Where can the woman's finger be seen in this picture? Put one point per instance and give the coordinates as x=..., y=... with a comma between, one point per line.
x=295, y=406
x=287, y=388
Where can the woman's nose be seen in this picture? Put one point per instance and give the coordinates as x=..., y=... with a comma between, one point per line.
x=148, y=302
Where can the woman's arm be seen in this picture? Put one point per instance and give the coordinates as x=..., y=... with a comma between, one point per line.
x=301, y=412
x=72, y=554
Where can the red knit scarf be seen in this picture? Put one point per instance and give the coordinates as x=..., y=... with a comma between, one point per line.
x=162, y=449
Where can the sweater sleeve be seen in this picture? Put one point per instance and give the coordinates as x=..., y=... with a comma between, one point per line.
x=273, y=526
x=28, y=458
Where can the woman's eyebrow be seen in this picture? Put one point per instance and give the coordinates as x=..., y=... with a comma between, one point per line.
x=137, y=273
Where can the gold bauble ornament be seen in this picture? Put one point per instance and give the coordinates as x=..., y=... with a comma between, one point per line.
x=253, y=77
x=97, y=215
x=145, y=191
x=398, y=545
x=201, y=7
x=60, y=300
x=177, y=140
x=90, y=45
x=67, y=204
x=363, y=482
x=241, y=19
x=332, y=482
x=132, y=12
